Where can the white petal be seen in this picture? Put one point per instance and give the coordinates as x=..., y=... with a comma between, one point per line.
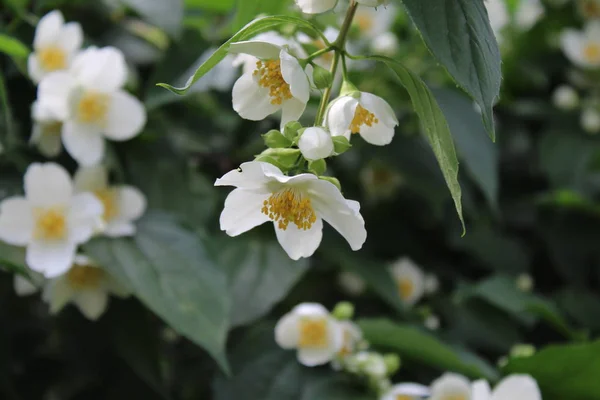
x=126, y=117
x=299, y=243
x=310, y=310
x=47, y=184
x=54, y=91
x=340, y=115
x=84, y=216
x=50, y=258
x=84, y=143
x=242, y=212
x=57, y=294
x=381, y=133
x=23, y=286
x=294, y=75
x=131, y=203
x=119, y=229
x=592, y=30
x=256, y=48
x=91, y=303
x=316, y=6
x=480, y=390
x=34, y=70
x=286, y=331
x=102, y=69
x=48, y=29
x=517, y=387
x=252, y=176
x=573, y=43
x=16, y=221
x=91, y=179
x=292, y=110
x=313, y=357
x=250, y=100
x=410, y=389
x=70, y=38
x=450, y=384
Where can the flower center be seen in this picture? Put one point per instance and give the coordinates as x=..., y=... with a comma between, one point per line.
x=92, y=108
x=362, y=117
x=84, y=277
x=290, y=205
x=313, y=333
x=269, y=76
x=591, y=52
x=406, y=288
x=109, y=201
x=53, y=58
x=51, y=225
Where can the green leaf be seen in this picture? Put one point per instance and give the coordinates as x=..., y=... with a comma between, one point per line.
x=211, y=5
x=167, y=268
x=8, y=136
x=411, y=343
x=563, y=371
x=165, y=14
x=12, y=47
x=459, y=35
x=247, y=10
x=248, y=31
x=12, y=259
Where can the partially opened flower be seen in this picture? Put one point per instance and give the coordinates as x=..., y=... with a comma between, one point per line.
x=362, y=113
x=297, y=205
x=47, y=129
x=583, y=47
x=123, y=204
x=316, y=6
x=451, y=386
x=86, y=285
x=278, y=82
x=313, y=331
x=409, y=279
x=50, y=220
x=55, y=45
x=90, y=101
x=513, y=387
x=406, y=391
x=315, y=143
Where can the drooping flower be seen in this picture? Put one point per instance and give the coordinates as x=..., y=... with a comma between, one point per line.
x=278, y=82
x=409, y=279
x=50, y=220
x=583, y=47
x=316, y=6
x=406, y=391
x=297, y=205
x=315, y=143
x=513, y=387
x=46, y=132
x=313, y=331
x=451, y=386
x=123, y=204
x=362, y=113
x=90, y=101
x=55, y=45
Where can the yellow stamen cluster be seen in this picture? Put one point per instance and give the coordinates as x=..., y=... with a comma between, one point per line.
x=93, y=108
x=362, y=117
x=269, y=76
x=405, y=287
x=109, y=201
x=82, y=277
x=290, y=205
x=51, y=225
x=52, y=58
x=404, y=397
x=313, y=333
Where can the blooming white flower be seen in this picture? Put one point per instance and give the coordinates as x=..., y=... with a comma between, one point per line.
x=313, y=331
x=513, y=387
x=387, y=44
x=278, y=82
x=590, y=120
x=409, y=279
x=90, y=101
x=352, y=283
x=363, y=113
x=406, y=391
x=46, y=132
x=123, y=204
x=583, y=47
x=297, y=205
x=316, y=6
x=451, y=386
x=55, y=44
x=565, y=97
x=50, y=220
x=248, y=61
x=86, y=285
x=373, y=22
x=315, y=143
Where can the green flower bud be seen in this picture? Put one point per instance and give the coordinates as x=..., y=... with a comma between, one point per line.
x=392, y=363
x=322, y=77
x=275, y=140
x=343, y=310
x=284, y=159
x=340, y=144
x=348, y=89
x=291, y=129
x=318, y=167
x=522, y=350
x=333, y=180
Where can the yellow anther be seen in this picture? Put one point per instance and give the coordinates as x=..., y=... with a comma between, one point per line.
x=269, y=76
x=591, y=52
x=290, y=205
x=406, y=288
x=109, y=201
x=404, y=397
x=51, y=225
x=362, y=117
x=52, y=58
x=313, y=333
x=82, y=277
x=93, y=108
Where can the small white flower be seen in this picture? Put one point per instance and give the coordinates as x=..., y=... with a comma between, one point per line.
x=362, y=113
x=590, y=120
x=583, y=48
x=387, y=44
x=316, y=6
x=513, y=387
x=50, y=220
x=86, y=285
x=123, y=204
x=432, y=322
x=46, y=132
x=55, y=44
x=278, y=82
x=451, y=386
x=315, y=143
x=406, y=391
x=352, y=335
x=352, y=283
x=409, y=279
x=90, y=101
x=297, y=205
x=370, y=364
x=432, y=284
x=313, y=331
x=373, y=22
x=565, y=97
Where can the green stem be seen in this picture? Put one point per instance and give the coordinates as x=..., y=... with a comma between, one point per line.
x=319, y=53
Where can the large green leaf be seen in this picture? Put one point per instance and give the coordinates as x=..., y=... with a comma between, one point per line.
x=167, y=268
x=459, y=35
x=414, y=344
x=165, y=14
x=12, y=47
x=564, y=371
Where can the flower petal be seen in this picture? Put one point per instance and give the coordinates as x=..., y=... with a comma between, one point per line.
x=410, y=389
x=378, y=134
x=119, y=229
x=90, y=179
x=16, y=221
x=480, y=390
x=102, y=69
x=91, y=303
x=131, y=203
x=50, y=258
x=84, y=217
x=517, y=387
x=294, y=75
x=53, y=93
x=313, y=357
x=58, y=293
x=34, y=69
x=251, y=177
x=48, y=29
x=572, y=43
x=250, y=100
x=23, y=286
x=126, y=116
x=242, y=212
x=70, y=38
x=340, y=115
x=256, y=48
x=47, y=184
x=48, y=144
x=316, y=6
x=299, y=243
x=378, y=106
x=84, y=143
x=291, y=110
x=286, y=331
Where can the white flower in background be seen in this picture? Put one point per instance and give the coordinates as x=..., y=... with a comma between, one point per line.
x=589, y=9
x=513, y=387
x=331, y=34
x=528, y=13
x=565, y=97
x=55, y=45
x=123, y=204
x=583, y=47
x=432, y=322
x=379, y=181
x=278, y=82
x=406, y=391
x=386, y=44
x=315, y=143
x=373, y=3
x=26, y=287
x=352, y=283
x=220, y=78
x=46, y=132
x=373, y=22
x=524, y=283
x=316, y=6
x=248, y=61
x=590, y=120
x=451, y=386
x=297, y=205
x=362, y=113
x=352, y=336
x=90, y=101
x=313, y=331
x=50, y=220
x=86, y=285
x=409, y=279
x=432, y=284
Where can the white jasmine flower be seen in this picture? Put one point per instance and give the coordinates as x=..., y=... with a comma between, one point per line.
x=410, y=280
x=55, y=44
x=362, y=113
x=373, y=22
x=386, y=44
x=313, y=331
x=123, y=204
x=583, y=48
x=90, y=101
x=316, y=6
x=248, y=61
x=451, y=386
x=50, y=220
x=565, y=97
x=297, y=205
x=513, y=387
x=352, y=283
x=590, y=120
x=315, y=143
x=86, y=285
x=47, y=129
x=432, y=322
x=406, y=391
x=278, y=82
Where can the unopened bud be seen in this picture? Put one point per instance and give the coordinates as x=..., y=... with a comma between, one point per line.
x=522, y=351
x=317, y=167
x=343, y=310
x=291, y=129
x=392, y=363
x=284, y=159
x=315, y=143
x=565, y=98
x=274, y=139
x=322, y=78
